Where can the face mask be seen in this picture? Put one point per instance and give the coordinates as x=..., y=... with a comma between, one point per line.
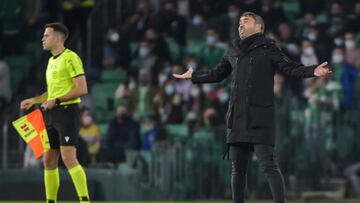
x=337, y=58
x=309, y=51
x=224, y=97
x=169, y=90
x=132, y=85
x=349, y=44
x=195, y=92
x=197, y=20
x=143, y=52
x=338, y=41
x=232, y=14
x=192, y=65
x=211, y=40
x=87, y=120
x=114, y=37
x=162, y=78
x=312, y=37
x=207, y=88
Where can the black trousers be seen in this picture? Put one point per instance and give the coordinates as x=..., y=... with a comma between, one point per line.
x=266, y=157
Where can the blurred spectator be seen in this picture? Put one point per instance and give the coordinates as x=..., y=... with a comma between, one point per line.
x=90, y=132
x=76, y=13
x=151, y=131
x=322, y=47
x=161, y=49
x=346, y=75
x=5, y=90
x=352, y=51
x=288, y=41
x=30, y=162
x=145, y=58
x=337, y=20
x=32, y=12
x=272, y=13
x=182, y=87
x=354, y=19
x=123, y=134
x=171, y=24
x=352, y=173
x=228, y=26
x=137, y=23
x=308, y=56
x=116, y=54
x=197, y=26
x=167, y=104
x=213, y=50
x=144, y=94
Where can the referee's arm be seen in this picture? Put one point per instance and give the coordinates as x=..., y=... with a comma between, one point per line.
x=79, y=90
x=28, y=103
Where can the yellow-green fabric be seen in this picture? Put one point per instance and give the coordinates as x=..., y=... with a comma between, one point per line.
x=52, y=183
x=78, y=177
x=60, y=71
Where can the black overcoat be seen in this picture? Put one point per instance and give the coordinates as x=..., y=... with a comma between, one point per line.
x=252, y=64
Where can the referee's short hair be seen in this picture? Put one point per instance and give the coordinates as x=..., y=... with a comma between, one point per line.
x=59, y=27
x=258, y=19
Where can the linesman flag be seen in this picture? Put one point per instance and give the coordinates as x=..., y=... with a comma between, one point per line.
x=31, y=128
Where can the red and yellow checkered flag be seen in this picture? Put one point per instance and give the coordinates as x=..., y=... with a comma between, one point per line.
x=31, y=128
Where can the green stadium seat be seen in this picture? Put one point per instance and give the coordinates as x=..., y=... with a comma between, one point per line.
x=103, y=95
x=174, y=49
x=34, y=50
x=103, y=128
x=177, y=130
x=133, y=47
x=291, y=9
x=194, y=47
x=19, y=68
x=111, y=76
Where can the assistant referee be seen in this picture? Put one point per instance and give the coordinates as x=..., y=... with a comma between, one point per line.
x=66, y=82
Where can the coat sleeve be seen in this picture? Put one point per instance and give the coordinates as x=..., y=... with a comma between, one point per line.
x=222, y=70
x=289, y=67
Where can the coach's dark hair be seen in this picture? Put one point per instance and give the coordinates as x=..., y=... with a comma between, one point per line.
x=258, y=19
x=59, y=27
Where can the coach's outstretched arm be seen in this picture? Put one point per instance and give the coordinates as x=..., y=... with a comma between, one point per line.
x=222, y=70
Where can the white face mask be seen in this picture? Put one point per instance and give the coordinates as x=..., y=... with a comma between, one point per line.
x=349, y=44
x=210, y=40
x=169, y=90
x=338, y=41
x=114, y=37
x=162, y=78
x=132, y=85
x=195, y=92
x=192, y=65
x=337, y=58
x=207, y=88
x=312, y=37
x=143, y=52
x=224, y=97
x=197, y=20
x=309, y=51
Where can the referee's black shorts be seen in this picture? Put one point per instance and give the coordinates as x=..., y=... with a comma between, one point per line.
x=62, y=125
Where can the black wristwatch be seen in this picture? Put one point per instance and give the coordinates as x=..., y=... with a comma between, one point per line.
x=57, y=101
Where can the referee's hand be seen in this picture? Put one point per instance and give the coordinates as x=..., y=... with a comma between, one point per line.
x=26, y=104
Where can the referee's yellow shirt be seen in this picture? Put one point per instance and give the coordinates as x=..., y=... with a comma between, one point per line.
x=60, y=71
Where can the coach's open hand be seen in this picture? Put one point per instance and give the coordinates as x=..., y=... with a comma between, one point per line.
x=184, y=76
x=322, y=70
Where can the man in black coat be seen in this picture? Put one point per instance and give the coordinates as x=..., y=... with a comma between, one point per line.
x=252, y=61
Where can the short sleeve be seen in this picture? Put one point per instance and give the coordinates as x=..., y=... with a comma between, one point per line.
x=74, y=65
